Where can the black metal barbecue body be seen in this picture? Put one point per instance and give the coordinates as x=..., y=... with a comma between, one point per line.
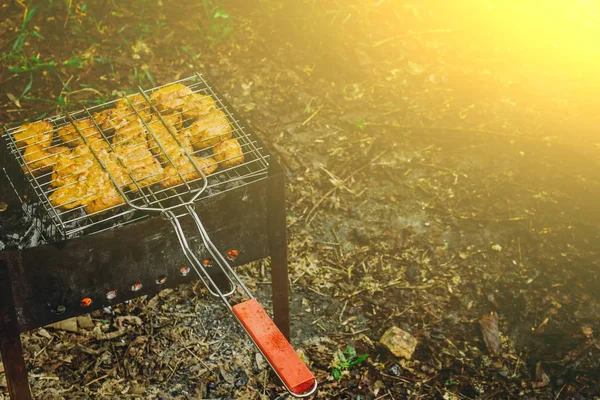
x=55, y=281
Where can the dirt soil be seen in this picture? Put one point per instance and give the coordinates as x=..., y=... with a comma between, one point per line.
x=433, y=177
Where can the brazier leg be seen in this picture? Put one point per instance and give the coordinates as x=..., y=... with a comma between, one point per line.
x=10, y=341
x=278, y=249
x=14, y=367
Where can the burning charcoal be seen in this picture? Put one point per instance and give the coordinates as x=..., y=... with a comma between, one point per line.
x=490, y=332
x=2, y=245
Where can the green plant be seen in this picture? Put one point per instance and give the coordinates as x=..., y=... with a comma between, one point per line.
x=360, y=123
x=24, y=32
x=218, y=21
x=345, y=360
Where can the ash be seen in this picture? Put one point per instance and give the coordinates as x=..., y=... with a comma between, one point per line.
x=22, y=229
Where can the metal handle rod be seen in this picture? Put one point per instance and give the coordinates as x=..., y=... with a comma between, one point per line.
x=198, y=267
x=215, y=253
x=228, y=271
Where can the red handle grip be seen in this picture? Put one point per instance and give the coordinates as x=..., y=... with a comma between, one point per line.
x=278, y=351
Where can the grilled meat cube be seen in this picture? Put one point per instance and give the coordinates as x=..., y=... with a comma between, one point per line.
x=197, y=105
x=187, y=170
x=39, y=133
x=139, y=103
x=169, y=146
x=209, y=130
x=170, y=98
x=228, y=153
x=40, y=159
x=70, y=134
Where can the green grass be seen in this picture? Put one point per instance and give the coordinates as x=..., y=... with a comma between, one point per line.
x=345, y=360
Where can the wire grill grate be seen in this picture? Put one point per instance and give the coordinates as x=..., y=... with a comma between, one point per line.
x=137, y=195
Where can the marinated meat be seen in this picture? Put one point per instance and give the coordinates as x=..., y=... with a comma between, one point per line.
x=228, y=153
x=113, y=118
x=70, y=166
x=170, y=119
x=70, y=134
x=187, y=170
x=209, y=130
x=94, y=190
x=39, y=133
x=141, y=108
x=197, y=105
x=133, y=131
x=168, y=143
x=170, y=98
x=40, y=159
x=139, y=163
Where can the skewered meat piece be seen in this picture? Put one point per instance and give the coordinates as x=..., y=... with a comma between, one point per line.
x=209, y=130
x=197, y=105
x=168, y=144
x=39, y=133
x=185, y=168
x=228, y=153
x=70, y=134
x=170, y=98
x=140, y=104
x=40, y=159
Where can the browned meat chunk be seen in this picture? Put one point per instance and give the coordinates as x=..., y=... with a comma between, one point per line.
x=169, y=140
x=187, y=170
x=209, y=130
x=72, y=132
x=113, y=118
x=228, y=153
x=40, y=159
x=94, y=190
x=170, y=98
x=39, y=133
x=197, y=105
x=133, y=131
x=139, y=103
x=170, y=119
x=70, y=166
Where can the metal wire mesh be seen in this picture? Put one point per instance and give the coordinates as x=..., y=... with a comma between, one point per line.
x=102, y=148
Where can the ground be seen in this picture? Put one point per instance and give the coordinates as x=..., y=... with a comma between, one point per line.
x=435, y=174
